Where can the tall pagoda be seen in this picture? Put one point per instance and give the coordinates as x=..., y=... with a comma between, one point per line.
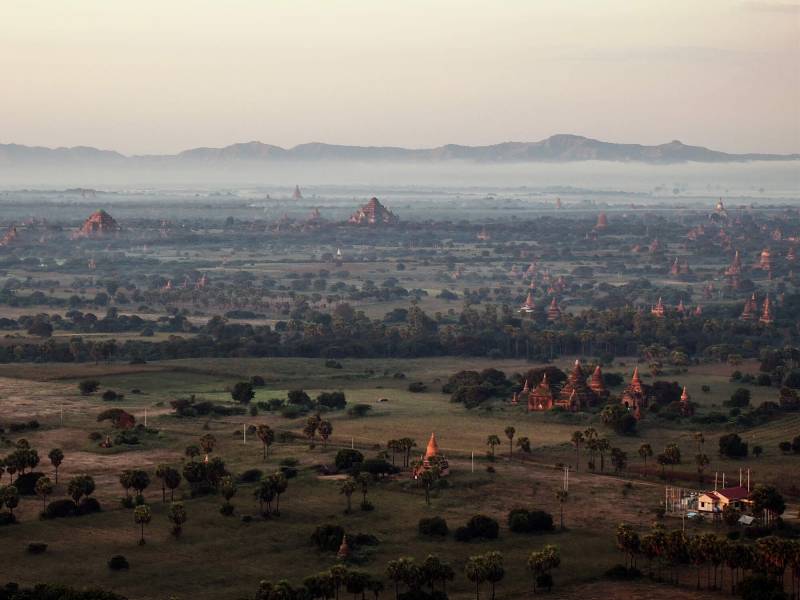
x=553, y=311
x=765, y=260
x=634, y=396
x=658, y=310
x=529, y=306
x=766, y=313
x=433, y=457
x=597, y=385
x=99, y=224
x=602, y=221
x=734, y=271
x=687, y=409
x=750, y=309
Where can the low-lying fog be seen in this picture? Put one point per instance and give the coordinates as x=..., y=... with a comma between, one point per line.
x=751, y=180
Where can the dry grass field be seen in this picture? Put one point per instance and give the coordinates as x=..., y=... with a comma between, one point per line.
x=224, y=553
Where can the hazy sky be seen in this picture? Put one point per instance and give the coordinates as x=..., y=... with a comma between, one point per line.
x=152, y=76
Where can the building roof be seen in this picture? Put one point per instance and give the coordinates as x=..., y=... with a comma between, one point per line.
x=734, y=493
x=433, y=447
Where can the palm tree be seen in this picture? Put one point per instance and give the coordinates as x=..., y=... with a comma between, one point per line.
x=510, y=431
x=561, y=496
x=347, y=488
x=699, y=439
x=279, y=484
x=325, y=431
x=492, y=441
x=172, y=479
x=364, y=479
x=265, y=492
x=142, y=516
x=494, y=571
x=702, y=461
x=43, y=488
x=177, y=516
x=267, y=437
x=476, y=571
x=603, y=446
x=56, y=456
x=645, y=452
x=577, y=439
x=161, y=473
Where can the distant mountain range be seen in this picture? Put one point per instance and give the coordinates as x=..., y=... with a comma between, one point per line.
x=557, y=148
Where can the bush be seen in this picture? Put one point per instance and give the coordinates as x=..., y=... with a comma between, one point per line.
x=118, y=563
x=478, y=527
x=432, y=526
x=26, y=483
x=111, y=396
x=251, y=476
x=521, y=520
x=328, y=537
x=760, y=587
x=732, y=446
x=226, y=509
x=622, y=573
x=88, y=506
x=6, y=518
x=367, y=506
x=332, y=400
x=59, y=509
x=333, y=364
x=346, y=459
x=417, y=387
x=359, y=410
x=257, y=381
x=739, y=399
x=88, y=386
x=37, y=548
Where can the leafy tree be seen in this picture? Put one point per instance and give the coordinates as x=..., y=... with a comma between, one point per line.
x=56, y=456
x=347, y=458
x=619, y=459
x=265, y=493
x=739, y=399
x=192, y=451
x=80, y=486
x=208, y=442
x=140, y=481
x=541, y=563
x=243, y=392
x=177, y=516
x=767, y=501
x=142, y=515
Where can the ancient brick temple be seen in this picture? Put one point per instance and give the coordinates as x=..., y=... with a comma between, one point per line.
x=541, y=397
x=373, y=213
x=433, y=456
x=576, y=394
x=99, y=224
x=635, y=396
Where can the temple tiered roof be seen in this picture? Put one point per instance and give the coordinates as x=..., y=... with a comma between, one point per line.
x=597, y=385
x=99, y=224
x=635, y=396
x=576, y=395
x=541, y=397
x=553, y=311
x=766, y=312
x=373, y=213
